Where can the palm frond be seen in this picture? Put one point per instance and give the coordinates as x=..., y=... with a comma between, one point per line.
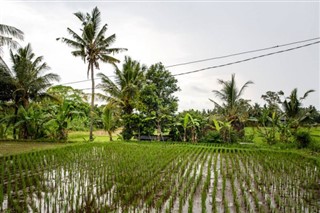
x=243, y=88
x=306, y=94
x=100, y=34
x=81, y=16
x=8, y=41
x=96, y=18
x=72, y=43
x=11, y=31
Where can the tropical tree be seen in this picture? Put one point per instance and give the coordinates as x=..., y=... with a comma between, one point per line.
x=124, y=91
x=233, y=107
x=27, y=75
x=230, y=95
x=26, y=79
x=293, y=105
x=157, y=97
x=77, y=100
x=273, y=100
x=62, y=115
x=8, y=34
x=110, y=119
x=93, y=47
x=8, y=37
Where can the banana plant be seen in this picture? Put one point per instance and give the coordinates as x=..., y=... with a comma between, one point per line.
x=31, y=122
x=269, y=122
x=64, y=113
x=110, y=119
x=193, y=124
x=224, y=128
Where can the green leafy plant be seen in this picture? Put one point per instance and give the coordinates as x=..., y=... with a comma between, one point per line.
x=303, y=138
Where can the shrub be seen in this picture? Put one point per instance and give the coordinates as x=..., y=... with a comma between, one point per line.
x=212, y=137
x=303, y=139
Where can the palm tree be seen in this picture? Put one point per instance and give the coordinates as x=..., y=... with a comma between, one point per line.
x=124, y=91
x=292, y=104
x=233, y=105
x=8, y=34
x=27, y=76
x=92, y=46
x=26, y=79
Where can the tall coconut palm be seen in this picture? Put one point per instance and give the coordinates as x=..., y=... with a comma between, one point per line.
x=233, y=104
x=124, y=91
x=292, y=104
x=26, y=78
x=92, y=46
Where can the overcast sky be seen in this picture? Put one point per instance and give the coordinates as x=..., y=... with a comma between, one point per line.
x=176, y=32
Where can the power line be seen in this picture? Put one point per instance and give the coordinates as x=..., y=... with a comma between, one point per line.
x=244, y=60
x=240, y=61
x=241, y=53
x=218, y=57
x=75, y=82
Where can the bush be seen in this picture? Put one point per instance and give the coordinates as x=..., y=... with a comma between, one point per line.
x=212, y=137
x=303, y=139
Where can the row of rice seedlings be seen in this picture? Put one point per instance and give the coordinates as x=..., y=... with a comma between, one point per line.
x=167, y=191
x=206, y=185
x=247, y=188
x=291, y=184
x=220, y=180
x=280, y=189
x=197, y=186
x=147, y=188
x=215, y=183
x=179, y=186
x=190, y=182
x=16, y=178
x=164, y=187
x=233, y=173
x=178, y=182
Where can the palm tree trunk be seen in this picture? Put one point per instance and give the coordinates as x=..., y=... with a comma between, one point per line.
x=92, y=103
x=14, y=122
x=110, y=135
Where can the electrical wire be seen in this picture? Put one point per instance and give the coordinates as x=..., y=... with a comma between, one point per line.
x=244, y=60
x=241, y=61
x=242, y=53
x=225, y=56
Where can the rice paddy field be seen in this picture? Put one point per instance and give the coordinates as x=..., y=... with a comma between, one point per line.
x=158, y=177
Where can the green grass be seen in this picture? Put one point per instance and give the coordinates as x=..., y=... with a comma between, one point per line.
x=259, y=140
x=83, y=136
x=14, y=147
x=11, y=147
